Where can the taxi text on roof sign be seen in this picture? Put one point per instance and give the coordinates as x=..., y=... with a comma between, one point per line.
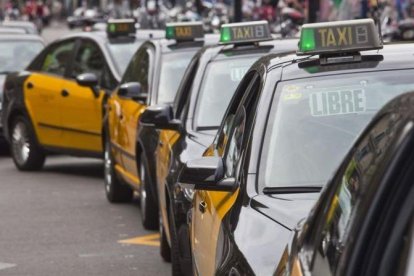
x=246, y=32
x=339, y=37
x=120, y=27
x=184, y=31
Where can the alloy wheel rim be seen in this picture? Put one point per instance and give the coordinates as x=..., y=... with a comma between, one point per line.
x=107, y=168
x=20, y=143
x=143, y=193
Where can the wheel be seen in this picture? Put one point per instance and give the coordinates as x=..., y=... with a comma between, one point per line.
x=115, y=190
x=149, y=209
x=175, y=250
x=26, y=152
x=165, y=250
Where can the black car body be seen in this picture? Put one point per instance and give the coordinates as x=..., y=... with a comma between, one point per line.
x=188, y=138
x=156, y=68
x=363, y=222
x=250, y=190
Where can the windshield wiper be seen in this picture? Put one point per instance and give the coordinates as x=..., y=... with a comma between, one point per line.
x=292, y=190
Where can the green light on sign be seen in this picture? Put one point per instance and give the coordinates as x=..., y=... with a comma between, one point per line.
x=225, y=35
x=112, y=28
x=170, y=32
x=307, y=40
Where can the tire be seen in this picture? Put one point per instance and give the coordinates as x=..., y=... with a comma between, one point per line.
x=115, y=190
x=175, y=250
x=149, y=209
x=165, y=250
x=26, y=152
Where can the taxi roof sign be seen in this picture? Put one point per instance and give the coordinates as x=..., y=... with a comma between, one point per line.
x=184, y=31
x=120, y=27
x=246, y=32
x=339, y=37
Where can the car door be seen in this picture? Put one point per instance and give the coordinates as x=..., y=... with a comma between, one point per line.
x=210, y=207
x=130, y=110
x=42, y=92
x=81, y=109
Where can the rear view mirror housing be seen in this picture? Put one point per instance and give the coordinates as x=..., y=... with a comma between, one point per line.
x=160, y=117
x=206, y=173
x=132, y=90
x=89, y=80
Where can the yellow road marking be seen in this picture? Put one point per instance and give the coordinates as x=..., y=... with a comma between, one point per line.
x=149, y=240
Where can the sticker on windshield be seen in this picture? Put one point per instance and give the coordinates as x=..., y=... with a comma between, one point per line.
x=237, y=73
x=346, y=101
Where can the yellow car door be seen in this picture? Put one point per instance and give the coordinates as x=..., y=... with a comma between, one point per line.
x=129, y=103
x=81, y=108
x=42, y=92
x=131, y=112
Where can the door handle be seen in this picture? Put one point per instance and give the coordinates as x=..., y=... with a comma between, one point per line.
x=64, y=93
x=160, y=143
x=29, y=85
x=202, y=206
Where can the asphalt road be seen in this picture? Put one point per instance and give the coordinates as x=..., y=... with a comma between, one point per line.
x=58, y=222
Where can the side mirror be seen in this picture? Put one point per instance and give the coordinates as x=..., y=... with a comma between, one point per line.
x=89, y=80
x=160, y=117
x=206, y=173
x=132, y=90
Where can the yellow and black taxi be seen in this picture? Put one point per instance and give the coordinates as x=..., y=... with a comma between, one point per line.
x=56, y=105
x=152, y=77
x=289, y=125
x=363, y=223
x=16, y=53
x=188, y=125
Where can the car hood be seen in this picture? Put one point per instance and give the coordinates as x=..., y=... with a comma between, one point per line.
x=285, y=209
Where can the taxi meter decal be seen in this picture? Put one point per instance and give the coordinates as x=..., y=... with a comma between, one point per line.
x=339, y=102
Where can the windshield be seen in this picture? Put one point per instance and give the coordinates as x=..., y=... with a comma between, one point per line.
x=122, y=53
x=218, y=86
x=16, y=55
x=315, y=121
x=172, y=70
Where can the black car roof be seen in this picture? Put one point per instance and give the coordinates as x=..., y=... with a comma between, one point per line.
x=391, y=57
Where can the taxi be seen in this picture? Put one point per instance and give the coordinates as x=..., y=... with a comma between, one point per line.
x=343, y=235
x=56, y=104
x=152, y=77
x=289, y=125
x=189, y=124
x=16, y=52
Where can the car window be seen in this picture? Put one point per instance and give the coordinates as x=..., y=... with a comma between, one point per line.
x=225, y=129
x=88, y=59
x=184, y=89
x=235, y=143
x=58, y=58
x=173, y=66
x=351, y=186
x=314, y=121
x=240, y=129
x=139, y=69
x=218, y=86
